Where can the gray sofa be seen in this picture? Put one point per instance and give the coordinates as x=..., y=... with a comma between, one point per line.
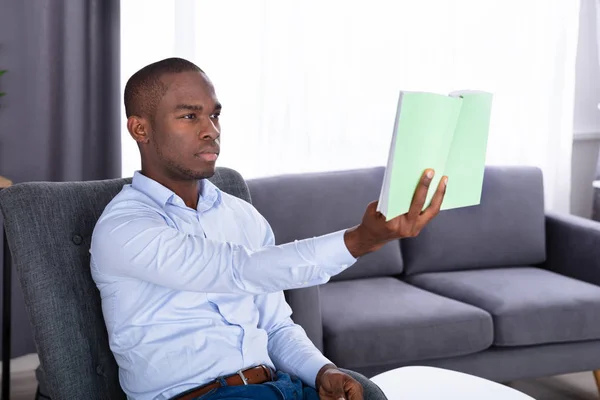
x=501, y=290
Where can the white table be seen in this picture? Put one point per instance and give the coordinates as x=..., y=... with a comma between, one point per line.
x=425, y=383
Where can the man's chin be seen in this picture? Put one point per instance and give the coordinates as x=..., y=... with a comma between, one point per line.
x=206, y=173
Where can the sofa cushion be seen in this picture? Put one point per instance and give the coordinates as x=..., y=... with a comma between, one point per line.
x=307, y=205
x=529, y=305
x=382, y=321
x=506, y=229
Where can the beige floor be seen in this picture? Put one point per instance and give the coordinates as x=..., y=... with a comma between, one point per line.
x=23, y=384
x=580, y=386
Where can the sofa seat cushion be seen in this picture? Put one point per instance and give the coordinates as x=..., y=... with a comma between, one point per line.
x=529, y=305
x=377, y=321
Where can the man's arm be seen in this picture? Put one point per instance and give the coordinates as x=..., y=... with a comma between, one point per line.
x=136, y=242
x=289, y=347
x=291, y=351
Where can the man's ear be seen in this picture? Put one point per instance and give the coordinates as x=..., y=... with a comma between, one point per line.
x=138, y=128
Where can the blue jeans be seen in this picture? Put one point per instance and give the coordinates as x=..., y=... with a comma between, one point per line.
x=284, y=387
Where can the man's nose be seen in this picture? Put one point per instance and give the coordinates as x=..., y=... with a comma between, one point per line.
x=210, y=131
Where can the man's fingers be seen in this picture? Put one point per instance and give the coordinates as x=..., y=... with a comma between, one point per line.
x=372, y=207
x=420, y=195
x=338, y=388
x=436, y=203
x=354, y=390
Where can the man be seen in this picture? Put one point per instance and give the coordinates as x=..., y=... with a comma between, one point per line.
x=190, y=279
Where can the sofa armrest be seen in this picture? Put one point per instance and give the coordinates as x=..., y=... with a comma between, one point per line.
x=573, y=247
x=306, y=312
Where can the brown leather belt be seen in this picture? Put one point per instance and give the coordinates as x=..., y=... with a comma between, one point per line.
x=250, y=376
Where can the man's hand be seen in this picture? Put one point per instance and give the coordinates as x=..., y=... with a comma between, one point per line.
x=374, y=231
x=333, y=384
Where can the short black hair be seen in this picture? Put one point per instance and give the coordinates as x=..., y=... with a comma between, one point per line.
x=144, y=89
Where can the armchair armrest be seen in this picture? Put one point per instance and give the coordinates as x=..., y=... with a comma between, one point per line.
x=573, y=247
x=306, y=312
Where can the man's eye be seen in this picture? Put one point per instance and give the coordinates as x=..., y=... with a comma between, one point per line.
x=215, y=115
x=190, y=116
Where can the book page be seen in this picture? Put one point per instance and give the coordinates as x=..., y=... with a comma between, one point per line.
x=465, y=166
x=384, y=195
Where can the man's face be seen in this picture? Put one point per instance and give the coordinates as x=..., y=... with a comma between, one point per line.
x=185, y=133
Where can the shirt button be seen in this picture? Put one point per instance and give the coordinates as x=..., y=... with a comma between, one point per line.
x=77, y=239
x=100, y=370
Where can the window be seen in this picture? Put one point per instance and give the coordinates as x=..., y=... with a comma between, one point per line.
x=312, y=85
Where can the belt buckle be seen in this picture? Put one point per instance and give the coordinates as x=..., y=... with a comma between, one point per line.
x=241, y=375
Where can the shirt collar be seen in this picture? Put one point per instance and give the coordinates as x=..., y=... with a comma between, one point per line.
x=210, y=195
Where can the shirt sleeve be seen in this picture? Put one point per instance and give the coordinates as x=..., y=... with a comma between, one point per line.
x=289, y=347
x=136, y=242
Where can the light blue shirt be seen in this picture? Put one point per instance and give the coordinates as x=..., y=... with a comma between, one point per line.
x=190, y=295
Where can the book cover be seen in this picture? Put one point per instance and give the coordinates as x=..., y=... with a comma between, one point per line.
x=447, y=133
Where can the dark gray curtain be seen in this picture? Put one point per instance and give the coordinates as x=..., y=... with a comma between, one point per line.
x=60, y=118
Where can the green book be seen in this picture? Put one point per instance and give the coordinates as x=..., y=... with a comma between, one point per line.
x=446, y=133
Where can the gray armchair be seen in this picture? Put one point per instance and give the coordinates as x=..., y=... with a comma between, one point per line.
x=49, y=227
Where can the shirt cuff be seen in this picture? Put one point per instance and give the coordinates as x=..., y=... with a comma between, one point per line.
x=309, y=370
x=332, y=247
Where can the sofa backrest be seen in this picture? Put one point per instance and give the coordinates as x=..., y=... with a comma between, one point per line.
x=49, y=227
x=506, y=229
x=306, y=205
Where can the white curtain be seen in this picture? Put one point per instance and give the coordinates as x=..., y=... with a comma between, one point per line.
x=312, y=85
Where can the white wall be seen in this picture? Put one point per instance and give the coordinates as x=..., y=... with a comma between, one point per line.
x=586, y=121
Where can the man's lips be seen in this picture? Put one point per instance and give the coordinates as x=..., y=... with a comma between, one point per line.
x=208, y=155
